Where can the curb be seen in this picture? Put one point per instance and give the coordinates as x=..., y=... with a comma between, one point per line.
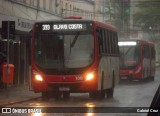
x=20, y=101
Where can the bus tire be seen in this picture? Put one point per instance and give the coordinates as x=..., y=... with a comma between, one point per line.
x=93, y=95
x=110, y=91
x=152, y=78
x=97, y=95
x=102, y=91
x=141, y=80
x=57, y=95
x=102, y=94
x=66, y=95
x=45, y=96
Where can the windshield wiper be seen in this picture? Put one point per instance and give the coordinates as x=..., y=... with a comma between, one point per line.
x=74, y=40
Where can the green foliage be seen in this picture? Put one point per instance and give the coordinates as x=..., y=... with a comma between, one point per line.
x=127, y=11
x=148, y=13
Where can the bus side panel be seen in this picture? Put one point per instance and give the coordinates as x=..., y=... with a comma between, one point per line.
x=109, y=68
x=153, y=61
x=104, y=70
x=153, y=67
x=146, y=61
x=117, y=70
x=145, y=67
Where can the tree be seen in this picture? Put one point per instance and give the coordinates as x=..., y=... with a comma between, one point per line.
x=148, y=14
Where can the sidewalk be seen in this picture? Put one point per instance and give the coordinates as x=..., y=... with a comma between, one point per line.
x=16, y=93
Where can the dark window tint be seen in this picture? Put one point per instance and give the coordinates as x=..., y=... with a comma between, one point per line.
x=153, y=53
x=146, y=52
x=107, y=41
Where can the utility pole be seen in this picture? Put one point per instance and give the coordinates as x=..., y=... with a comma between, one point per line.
x=8, y=32
x=103, y=10
x=38, y=6
x=8, y=69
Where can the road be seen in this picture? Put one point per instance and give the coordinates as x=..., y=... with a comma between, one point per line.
x=127, y=94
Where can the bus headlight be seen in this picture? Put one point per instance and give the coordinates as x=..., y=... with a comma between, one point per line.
x=89, y=76
x=38, y=77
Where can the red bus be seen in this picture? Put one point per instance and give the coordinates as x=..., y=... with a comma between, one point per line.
x=74, y=56
x=137, y=59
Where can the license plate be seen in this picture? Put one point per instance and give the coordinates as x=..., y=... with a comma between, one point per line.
x=123, y=77
x=64, y=89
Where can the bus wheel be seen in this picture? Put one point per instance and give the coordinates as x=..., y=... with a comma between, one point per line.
x=102, y=94
x=45, y=96
x=93, y=95
x=110, y=93
x=111, y=90
x=66, y=95
x=97, y=95
x=57, y=95
x=142, y=80
x=152, y=78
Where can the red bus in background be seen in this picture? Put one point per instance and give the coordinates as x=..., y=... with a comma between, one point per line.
x=137, y=59
x=74, y=56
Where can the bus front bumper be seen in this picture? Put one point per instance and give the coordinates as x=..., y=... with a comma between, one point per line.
x=70, y=87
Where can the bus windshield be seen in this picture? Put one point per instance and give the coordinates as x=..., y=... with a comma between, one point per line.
x=63, y=50
x=129, y=56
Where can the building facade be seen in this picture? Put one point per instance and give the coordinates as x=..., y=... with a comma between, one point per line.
x=116, y=13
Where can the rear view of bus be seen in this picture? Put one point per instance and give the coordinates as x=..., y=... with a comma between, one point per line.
x=137, y=60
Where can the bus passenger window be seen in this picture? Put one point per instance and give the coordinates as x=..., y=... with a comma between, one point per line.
x=100, y=42
x=153, y=53
x=110, y=42
x=107, y=42
x=143, y=52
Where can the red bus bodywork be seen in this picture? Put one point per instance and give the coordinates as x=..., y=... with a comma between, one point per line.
x=141, y=71
x=55, y=82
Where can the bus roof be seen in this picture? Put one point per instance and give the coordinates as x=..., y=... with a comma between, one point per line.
x=141, y=41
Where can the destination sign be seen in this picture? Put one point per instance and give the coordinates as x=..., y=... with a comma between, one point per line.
x=64, y=27
x=69, y=27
